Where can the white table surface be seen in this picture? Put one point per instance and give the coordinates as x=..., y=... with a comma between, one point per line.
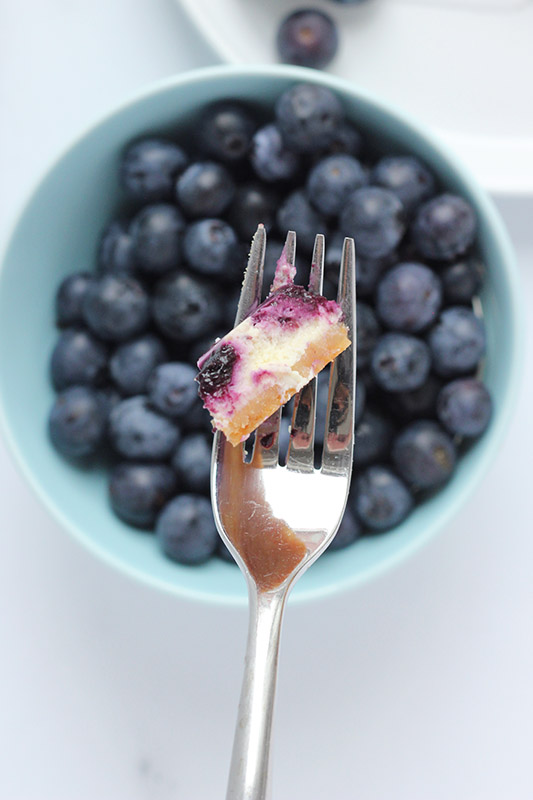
x=415, y=687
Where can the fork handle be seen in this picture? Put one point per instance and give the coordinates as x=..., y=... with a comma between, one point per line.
x=249, y=771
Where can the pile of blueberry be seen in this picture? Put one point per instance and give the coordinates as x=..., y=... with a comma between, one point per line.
x=166, y=284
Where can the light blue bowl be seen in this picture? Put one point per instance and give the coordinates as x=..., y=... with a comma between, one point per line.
x=57, y=234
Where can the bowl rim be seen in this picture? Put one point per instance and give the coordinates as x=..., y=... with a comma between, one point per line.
x=484, y=204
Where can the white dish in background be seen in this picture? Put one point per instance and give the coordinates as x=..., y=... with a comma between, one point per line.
x=464, y=67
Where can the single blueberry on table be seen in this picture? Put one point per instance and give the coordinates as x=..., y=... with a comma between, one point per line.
x=380, y=498
x=149, y=169
x=69, y=298
x=270, y=157
x=409, y=296
x=308, y=38
x=78, y=359
x=373, y=437
x=424, y=455
x=210, y=246
x=297, y=214
x=309, y=117
x=184, y=307
x=139, y=432
x=116, y=252
x=192, y=462
x=375, y=218
x=116, y=307
x=77, y=422
x=407, y=177
x=186, y=529
x=225, y=131
x=172, y=389
x=138, y=491
x=457, y=341
x=157, y=233
x=332, y=180
x=400, y=362
x=253, y=204
x=133, y=362
x=348, y=533
x=464, y=407
x=205, y=189
x=462, y=281
x=368, y=332
x=444, y=227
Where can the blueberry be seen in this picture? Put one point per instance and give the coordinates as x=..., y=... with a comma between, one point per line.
x=78, y=359
x=198, y=419
x=309, y=117
x=424, y=455
x=205, y=189
x=332, y=180
x=360, y=401
x=77, y=422
x=270, y=157
x=210, y=246
x=348, y=533
x=407, y=177
x=373, y=437
x=368, y=332
x=444, y=227
x=132, y=363
x=186, y=529
x=201, y=346
x=462, y=281
x=308, y=38
x=464, y=407
x=149, y=169
x=297, y=214
x=116, y=252
x=380, y=499
x=69, y=298
x=375, y=218
x=157, y=233
x=400, y=362
x=138, y=492
x=116, y=307
x=184, y=307
x=457, y=341
x=368, y=271
x=346, y=139
x=216, y=371
x=192, y=462
x=225, y=131
x=172, y=388
x=108, y=397
x=253, y=204
x=421, y=402
x=139, y=432
x=409, y=297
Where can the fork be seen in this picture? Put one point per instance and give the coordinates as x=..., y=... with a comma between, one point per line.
x=310, y=501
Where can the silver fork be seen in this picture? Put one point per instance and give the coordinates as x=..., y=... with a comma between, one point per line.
x=311, y=501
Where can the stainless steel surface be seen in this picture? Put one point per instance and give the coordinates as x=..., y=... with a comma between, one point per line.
x=311, y=501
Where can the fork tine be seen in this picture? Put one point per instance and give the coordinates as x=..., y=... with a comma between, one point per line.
x=301, y=447
x=338, y=438
x=267, y=435
x=250, y=296
x=249, y=299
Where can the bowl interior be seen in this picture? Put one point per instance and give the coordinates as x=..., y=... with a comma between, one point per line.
x=57, y=234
